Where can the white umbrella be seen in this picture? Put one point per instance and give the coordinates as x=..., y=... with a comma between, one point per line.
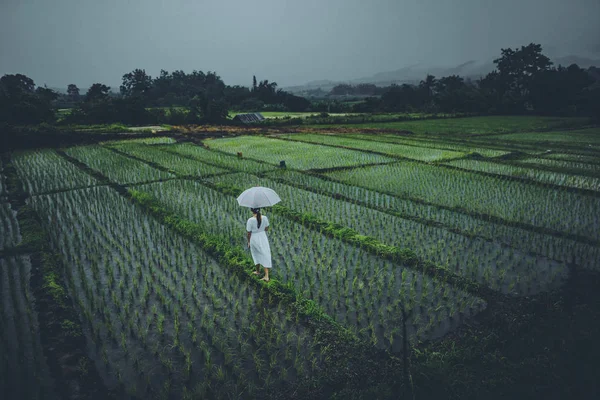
x=258, y=197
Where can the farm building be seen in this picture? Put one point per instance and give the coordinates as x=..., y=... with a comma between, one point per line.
x=249, y=118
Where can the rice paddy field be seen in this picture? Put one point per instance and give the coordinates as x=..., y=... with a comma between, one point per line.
x=402, y=265
x=474, y=126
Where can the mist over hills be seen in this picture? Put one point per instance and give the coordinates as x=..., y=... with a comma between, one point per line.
x=413, y=74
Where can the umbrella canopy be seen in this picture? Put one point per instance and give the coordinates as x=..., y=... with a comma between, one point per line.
x=258, y=197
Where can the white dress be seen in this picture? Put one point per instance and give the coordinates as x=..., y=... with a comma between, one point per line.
x=259, y=243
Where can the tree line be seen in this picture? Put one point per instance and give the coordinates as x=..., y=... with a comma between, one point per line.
x=176, y=98
x=524, y=81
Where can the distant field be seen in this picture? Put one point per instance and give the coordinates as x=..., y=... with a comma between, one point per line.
x=472, y=126
x=423, y=142
x=372, y=118
x=589, y=137
x=398, y=150
x=284, y=114
x=295, y=154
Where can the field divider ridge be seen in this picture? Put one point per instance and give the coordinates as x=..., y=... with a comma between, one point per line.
x=478, y=215
x=535, y=146
x=550, y=168
x=542, y=130
x=528, y=181
x=426, y=144
x=509, y=146
x=160, y=167
x=164, y=149
x=379, y=153
x=348, y=167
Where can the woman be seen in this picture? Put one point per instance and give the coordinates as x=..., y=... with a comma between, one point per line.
x=258, y=243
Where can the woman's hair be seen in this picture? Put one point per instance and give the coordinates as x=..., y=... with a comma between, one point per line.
x=258, y=216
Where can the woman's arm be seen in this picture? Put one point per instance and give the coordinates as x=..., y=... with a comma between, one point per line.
x=249, y=234
x=266, y=229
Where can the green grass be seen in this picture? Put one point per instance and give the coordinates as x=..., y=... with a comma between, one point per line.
x=473, y=126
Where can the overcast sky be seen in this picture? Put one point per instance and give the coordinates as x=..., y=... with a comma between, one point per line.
x=57, y=42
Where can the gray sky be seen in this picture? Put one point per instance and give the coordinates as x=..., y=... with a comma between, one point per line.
x=58, y=42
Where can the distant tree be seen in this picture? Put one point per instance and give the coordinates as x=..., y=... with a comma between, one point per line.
x=17, y=84
x=428, y=86
x=401, y=98
x=162, y=93
x=254, y=85
x=560, y=90
x=522, y=63
x=73, y=92
x=251, y=104
x=294, y=103
x=451, y=94
x=267, y=92
x=96, y=108
x=517, y=69
x=235, y=95
x=96, y=92
x=136, y=83
x=22, y=103
x=370, y=104
x=47, y=95
x=127, y=110
x=217, y=111
x=426, y=92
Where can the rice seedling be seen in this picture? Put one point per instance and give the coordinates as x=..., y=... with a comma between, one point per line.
x=174, y=163
x=9, y=227
x=537, y=175
x=512, y=201
x=45, y=171
x=218, y=159
x=21, y=351
x=115, y=166
x=126, y=240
